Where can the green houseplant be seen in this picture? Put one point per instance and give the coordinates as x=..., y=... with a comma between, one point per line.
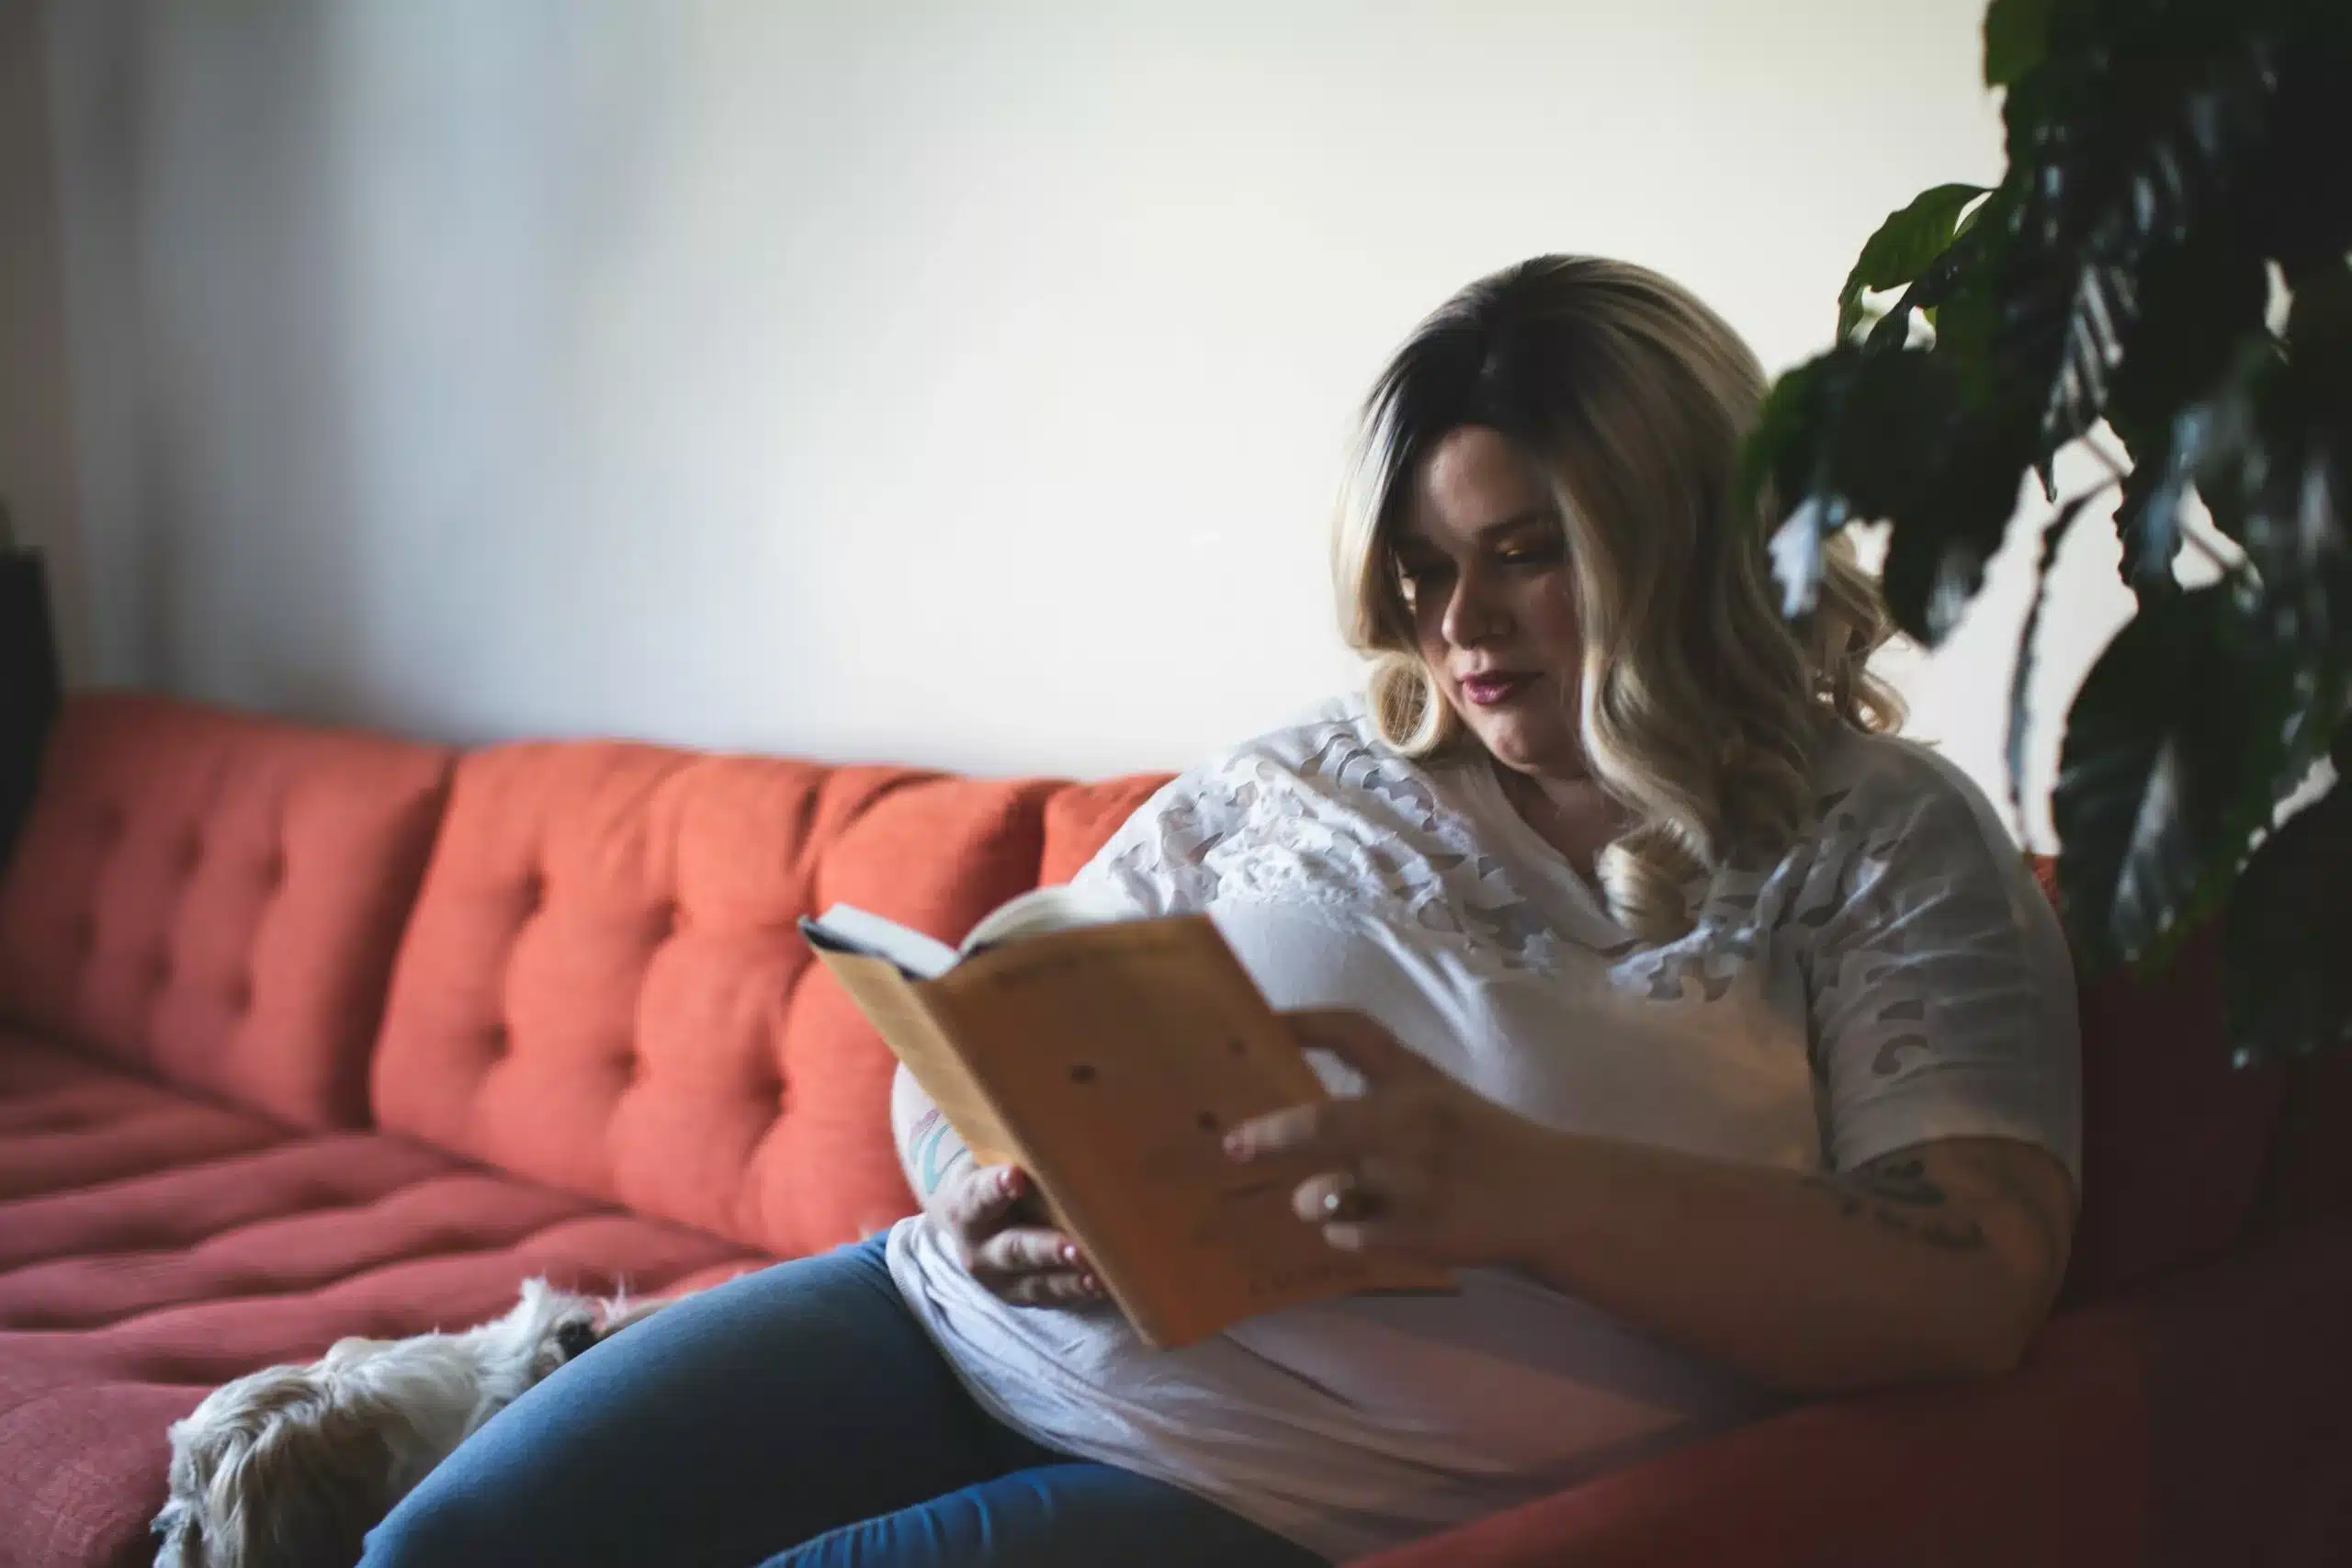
x=2160, y=275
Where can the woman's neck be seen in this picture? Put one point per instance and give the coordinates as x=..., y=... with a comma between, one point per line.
x=1575, y=816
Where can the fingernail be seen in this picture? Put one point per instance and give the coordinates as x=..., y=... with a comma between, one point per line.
x=1236, y=1146
x=1069, y=1254
x=1094, y=1285
x=1004, y=1182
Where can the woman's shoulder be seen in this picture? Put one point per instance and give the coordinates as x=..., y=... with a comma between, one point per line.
x=1332, y=737
x=1895, y=783
x=1902, y=826
x=1219, y=784
x=1316, y=727
x=1316, y=807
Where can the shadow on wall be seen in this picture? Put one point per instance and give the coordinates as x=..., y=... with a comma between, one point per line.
x=37, y=480
x=329, y=269
x=207, y=372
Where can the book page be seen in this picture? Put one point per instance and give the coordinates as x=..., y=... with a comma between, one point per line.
x=845, y=928
x=1040, y=912
x=1121, y=1054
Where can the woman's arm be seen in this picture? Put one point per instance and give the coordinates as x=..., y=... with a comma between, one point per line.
x=989, y=1212
x=929, y=1150
x=1937, y=1260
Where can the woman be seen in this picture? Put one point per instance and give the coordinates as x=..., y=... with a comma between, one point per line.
x=1719, y=1040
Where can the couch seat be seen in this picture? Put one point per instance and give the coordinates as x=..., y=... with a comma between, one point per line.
x=152, y=1246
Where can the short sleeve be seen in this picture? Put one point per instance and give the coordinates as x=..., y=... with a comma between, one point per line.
x=1941, y=990
x=1155, y=862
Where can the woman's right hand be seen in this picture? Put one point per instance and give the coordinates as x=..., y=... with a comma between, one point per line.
x=987, y=1213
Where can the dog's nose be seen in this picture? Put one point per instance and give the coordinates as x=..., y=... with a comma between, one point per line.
x=573, y=1336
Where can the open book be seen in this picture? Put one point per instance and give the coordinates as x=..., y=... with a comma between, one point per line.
x=1107, y=1056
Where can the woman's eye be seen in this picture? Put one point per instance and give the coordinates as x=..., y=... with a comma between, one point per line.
x=1535, y=555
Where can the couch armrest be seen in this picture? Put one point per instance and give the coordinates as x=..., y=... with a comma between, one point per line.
x=2048, y=1464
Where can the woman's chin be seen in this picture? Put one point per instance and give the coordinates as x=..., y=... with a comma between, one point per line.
x=1527, y=747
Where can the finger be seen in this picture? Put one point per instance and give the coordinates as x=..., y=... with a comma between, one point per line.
x=1360, y=1040
x=1389, y=1231
x=1335, y=1195
x=1064, y=1288
x=1361, y=1235
x=1028, y=1249
x=980, y=1200
x=1327, y=1129
x=1374, y=1187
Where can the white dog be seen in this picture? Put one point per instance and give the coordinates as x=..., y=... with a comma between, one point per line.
x=292, y=1466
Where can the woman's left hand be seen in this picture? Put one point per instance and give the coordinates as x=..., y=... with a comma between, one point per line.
x=1416, y=1164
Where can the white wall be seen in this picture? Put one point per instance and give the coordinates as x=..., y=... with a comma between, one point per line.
x=962, y=384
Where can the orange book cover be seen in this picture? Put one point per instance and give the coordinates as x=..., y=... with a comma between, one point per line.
x=1108, y=1060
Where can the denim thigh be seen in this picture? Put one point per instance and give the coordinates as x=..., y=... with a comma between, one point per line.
x=1072, y=1514
x=741, y=1421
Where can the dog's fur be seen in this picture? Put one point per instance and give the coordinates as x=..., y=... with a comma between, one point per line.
x=291, y=1466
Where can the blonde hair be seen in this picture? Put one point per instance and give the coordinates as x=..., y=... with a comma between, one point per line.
x=1699, y=704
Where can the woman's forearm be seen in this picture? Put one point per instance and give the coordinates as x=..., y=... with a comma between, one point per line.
x=1937, y=1260
x=929, y=1150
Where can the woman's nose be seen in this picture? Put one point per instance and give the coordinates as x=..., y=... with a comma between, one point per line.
x=1472, y=616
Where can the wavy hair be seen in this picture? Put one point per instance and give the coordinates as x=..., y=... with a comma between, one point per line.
x=1700, y=706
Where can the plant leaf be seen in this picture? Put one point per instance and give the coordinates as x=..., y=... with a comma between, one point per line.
x=2200, y=307
x=2017, y=32
x=2148, y=524
x=2204, y=434
x=2265, y=450
x=1905, y=245
x=1928, y=579
x=1949, y=486
x=2286, y=989
x=1798, y=560
x=2296, y=206
x=2126, y=157
x=2174, y=749
x=1896, y=416
x=1777, y=458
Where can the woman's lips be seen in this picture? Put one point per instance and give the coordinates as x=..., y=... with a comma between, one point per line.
x=1485, y=691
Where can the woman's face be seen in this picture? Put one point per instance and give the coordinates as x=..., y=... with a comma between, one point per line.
x=1484, y=560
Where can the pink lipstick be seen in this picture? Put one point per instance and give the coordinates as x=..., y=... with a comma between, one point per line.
x=1487, y=690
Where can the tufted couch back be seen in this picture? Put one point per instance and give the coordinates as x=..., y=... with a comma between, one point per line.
x=601, y=987
x=216, y=899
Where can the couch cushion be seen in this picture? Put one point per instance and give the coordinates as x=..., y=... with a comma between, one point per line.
x=603, y=987
x=217, y=899
x=62, y=1124
x=133, y=1279
x=1080, y=816
x=2310, y=1178
x=2174, y=1139
x=2251, y=1386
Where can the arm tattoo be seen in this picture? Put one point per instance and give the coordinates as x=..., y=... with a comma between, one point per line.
x=2052, y=1227
x=930, y=1152
x=1896, y=1194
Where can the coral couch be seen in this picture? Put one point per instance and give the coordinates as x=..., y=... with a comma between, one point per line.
x=306, y=1033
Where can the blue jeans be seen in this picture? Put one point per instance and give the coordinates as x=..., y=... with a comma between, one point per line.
x=798, y=1417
